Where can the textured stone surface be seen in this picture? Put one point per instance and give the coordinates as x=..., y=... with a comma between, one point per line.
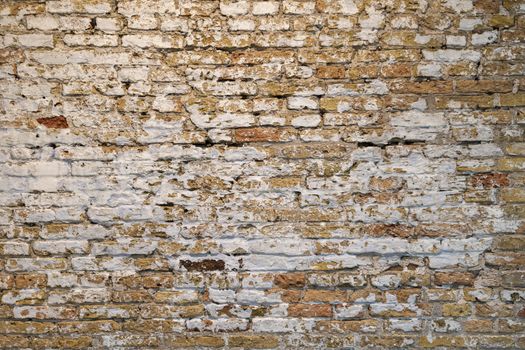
x=262, y=174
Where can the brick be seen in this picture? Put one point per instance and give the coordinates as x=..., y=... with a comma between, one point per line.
x=338, y=7
x=489, y=180
x=14, y=341
x=478, y=326
x=349, y=311
x=514, y=279
x=513, y=195
x=290, y=280
x=62, y=342
x=26, y=327
x=505, y=259
x=265, y=8
x=108, y=24
x=91, y=7
x=29, y=40
x=88, y=327
x=450, y=55
x=14, y=248
x=234, y=8
x=309, y=310
x=511, y=100
x=411, y=39
x=454, y=278
x=306, y=121
x=324, y=296
x=157, y=41
x=510, y=243
x=515, y=149
x=456, y=310
x=90, y=40
x=501, y=21
x=45, y=312
x=258, y=134
x=430, y=87
x=33, y=280
x=201, y=341
x=493, y=310
x=444, y=325
x=442, y=341
x=253, y=341
x=513, y=36
x=130, y=8
x=42, y=22
x=487, y=86
x=330, y=72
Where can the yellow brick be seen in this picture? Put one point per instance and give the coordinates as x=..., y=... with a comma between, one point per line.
x=253, y=341
x=511, y=164
x=512, y=195
x=456, y=310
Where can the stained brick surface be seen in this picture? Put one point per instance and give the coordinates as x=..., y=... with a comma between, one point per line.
x=248, y=174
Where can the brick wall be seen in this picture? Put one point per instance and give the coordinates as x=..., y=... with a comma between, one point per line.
x=262, y=174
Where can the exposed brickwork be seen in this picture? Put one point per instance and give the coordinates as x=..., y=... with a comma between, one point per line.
x=253, y=174
x=54, y=122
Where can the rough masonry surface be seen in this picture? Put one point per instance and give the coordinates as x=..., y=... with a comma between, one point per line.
x=291, y=174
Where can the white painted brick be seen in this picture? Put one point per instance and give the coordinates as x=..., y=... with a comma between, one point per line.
x=265, y=8
x=234, y=8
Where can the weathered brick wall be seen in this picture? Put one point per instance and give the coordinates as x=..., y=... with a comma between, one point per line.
x=262, y=174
